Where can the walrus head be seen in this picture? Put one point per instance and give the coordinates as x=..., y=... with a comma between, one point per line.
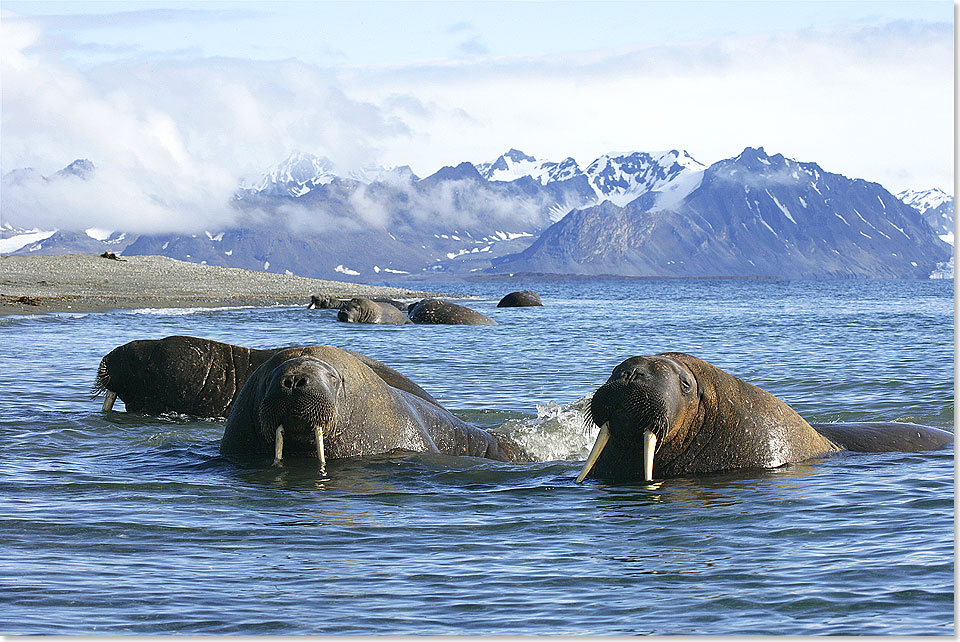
x=299, y=407
x=352, y=310
x=643, y=405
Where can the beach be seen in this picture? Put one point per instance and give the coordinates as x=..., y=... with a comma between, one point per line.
x=91, y=283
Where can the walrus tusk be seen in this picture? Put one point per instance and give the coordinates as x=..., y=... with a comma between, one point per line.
x=278, y=446
x=649, y=445
x=108, y=401
x=323, y=460
x=602, y=438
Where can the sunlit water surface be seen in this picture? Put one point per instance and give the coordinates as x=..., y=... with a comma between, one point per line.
x=118, y=523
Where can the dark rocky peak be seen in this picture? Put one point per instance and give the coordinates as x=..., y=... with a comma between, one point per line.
x=463, y=171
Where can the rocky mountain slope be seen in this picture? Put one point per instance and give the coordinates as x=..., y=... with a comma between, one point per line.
x=638, y=213
x=752, y=215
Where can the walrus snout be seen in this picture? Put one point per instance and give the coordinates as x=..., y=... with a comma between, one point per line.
x=301, y=398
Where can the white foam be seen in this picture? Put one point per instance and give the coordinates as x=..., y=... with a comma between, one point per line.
x=558, y=432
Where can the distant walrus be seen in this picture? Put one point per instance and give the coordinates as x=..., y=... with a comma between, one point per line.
x=443, y=312
x=673, y=415
x=324, y=302
x=361, y=310
x=334, y=303
x=195, y=376
x=520, y=299
x=321, y=402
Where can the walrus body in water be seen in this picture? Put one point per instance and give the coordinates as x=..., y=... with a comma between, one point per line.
x=321, y=402
x=195, y=376
x=674, y=415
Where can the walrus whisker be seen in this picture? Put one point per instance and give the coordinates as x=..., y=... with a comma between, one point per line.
x=108, y=400
x=278, y=446
x=649, y=447
x=602, y=438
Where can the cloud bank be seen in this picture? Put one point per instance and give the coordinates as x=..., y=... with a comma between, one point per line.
x=171, y=136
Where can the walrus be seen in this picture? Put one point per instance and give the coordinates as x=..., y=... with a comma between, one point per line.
x=361, y=310
x=674, y=415
x=195, y=376
x=322, y=402
x=334, y=303
x=324, y=302
x=520, y=299
x=435, y=311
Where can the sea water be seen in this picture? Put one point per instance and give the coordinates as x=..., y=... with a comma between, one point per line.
x=115, y=523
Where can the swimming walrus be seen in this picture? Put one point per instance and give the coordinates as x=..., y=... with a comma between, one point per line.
x=321, y=402
x=674, y=415
x=334, y=303
x=195, y=376
x=520, y=299
x=362, y=310
x=436, y=311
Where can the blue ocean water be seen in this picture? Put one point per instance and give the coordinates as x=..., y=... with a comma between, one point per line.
x=118, y=523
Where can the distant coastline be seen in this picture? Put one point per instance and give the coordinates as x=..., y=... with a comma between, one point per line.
x=91, y=283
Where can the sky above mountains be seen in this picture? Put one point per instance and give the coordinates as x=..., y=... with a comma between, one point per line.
x=175, y=101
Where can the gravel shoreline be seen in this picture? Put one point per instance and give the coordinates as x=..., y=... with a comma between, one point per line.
x=91, y=283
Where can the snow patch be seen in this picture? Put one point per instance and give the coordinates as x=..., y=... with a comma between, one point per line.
x=18, y=241
x=782, y=208
x=346, y=270
x=98, y=234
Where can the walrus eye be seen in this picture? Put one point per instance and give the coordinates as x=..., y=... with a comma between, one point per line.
x=685, y=384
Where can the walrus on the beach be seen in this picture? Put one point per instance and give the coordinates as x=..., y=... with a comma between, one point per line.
x=361, y=310
x=195, y=376
x=520, y=299
x=321, y=402
x=673, y=415
x=435, y=311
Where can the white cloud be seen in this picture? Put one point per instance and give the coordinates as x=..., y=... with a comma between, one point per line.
x=171, y=136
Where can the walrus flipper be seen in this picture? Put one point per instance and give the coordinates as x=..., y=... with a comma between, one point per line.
x=880, y=437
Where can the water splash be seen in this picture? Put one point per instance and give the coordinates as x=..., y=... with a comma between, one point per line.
x=558, y=433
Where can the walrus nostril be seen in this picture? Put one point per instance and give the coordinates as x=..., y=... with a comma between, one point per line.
x=293, y=381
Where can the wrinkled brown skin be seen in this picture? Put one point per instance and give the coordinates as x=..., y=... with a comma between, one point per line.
x=198, y=377
x=435, y=311
x=724, y=423
x=187, y=375
x=368, y=416
x=520, y=299
x=361, y=310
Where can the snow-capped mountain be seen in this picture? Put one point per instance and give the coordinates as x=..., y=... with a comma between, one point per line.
x=615, y=177
x=752, y=215
x=515, y=164
x=295, y=176
x=926, y=199
x=640, y=213
x=621, y=178
x=936, y=207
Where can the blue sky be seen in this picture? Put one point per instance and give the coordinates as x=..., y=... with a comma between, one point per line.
x=357, y=33
x=182, y=98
